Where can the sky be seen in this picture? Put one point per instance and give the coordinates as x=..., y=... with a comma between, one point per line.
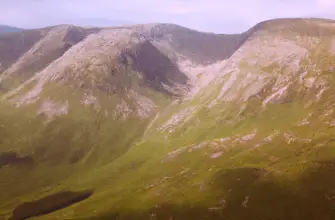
x=219, y=16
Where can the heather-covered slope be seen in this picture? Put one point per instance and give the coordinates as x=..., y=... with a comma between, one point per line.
x=161, y=122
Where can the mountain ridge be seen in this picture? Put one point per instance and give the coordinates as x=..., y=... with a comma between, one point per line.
x=163, y=122
x=7, y=29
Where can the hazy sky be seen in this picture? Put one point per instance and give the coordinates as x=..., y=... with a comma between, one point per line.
x=221, y=16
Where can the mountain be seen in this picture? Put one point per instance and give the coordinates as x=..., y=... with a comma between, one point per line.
x=158, y=121
x=6, y=29
x=36, y=49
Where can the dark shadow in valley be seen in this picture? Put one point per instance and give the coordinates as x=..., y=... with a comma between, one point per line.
x=157, y=68
x=12, y=158
x=49, y=204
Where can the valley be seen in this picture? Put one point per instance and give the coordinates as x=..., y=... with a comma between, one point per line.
x=158, y=121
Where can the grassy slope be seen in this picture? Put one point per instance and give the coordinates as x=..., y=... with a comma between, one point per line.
x=74, y=143
x=280, y=180
x=276, y=180
x=277, y=176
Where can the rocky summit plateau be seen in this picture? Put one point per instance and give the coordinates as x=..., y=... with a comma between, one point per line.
x=162, y=122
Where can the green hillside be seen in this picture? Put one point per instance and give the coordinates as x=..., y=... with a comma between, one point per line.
x=134, y=123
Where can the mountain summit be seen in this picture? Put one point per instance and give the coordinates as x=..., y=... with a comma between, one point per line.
x=158, y=121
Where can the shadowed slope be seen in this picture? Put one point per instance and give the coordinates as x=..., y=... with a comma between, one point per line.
x=50, y=47
x=105, y=115
x=14, y=45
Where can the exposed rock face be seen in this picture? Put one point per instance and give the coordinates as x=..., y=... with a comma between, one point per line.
x=52, y=45
x=270, y=62
x=113, y=60
x=275, y=65
x=165, y=109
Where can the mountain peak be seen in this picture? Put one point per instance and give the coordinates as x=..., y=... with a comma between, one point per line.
x=164, y=122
